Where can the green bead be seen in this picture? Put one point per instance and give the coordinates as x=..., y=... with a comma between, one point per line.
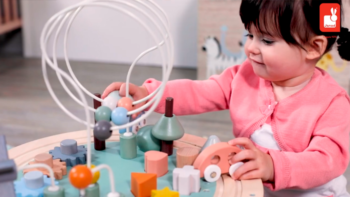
x=168, y=129
x=128, y=146
x=58, y=193
x=146, y=141
x=103, y=113
x=93, y=191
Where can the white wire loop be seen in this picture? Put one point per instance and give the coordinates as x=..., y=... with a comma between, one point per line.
x=146, y=13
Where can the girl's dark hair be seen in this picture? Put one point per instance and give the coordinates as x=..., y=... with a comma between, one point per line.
x=292, y=20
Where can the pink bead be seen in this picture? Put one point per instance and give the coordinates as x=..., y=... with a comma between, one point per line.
x=126, y=103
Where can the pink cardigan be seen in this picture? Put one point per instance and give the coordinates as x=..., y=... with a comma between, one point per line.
x=311, y=127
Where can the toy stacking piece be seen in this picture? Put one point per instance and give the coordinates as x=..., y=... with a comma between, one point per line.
x=128, y=146
x=59, y=168
x=8, y=171
x=168, y=128
x=34, y=183
x=143, y=183
x=186, y=180
x=146, y=141
x=213, y=139
x=156, y=162
x=100, y=114
x=214, y=161
x=70, y=153
x=186, y=156
x=166, y=192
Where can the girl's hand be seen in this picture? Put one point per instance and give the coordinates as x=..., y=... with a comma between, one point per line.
x=137, y=92
x=257, y=164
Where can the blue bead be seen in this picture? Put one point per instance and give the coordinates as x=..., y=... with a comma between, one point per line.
x=121, y=131
x=119, y=116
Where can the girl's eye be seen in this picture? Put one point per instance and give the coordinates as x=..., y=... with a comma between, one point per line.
x=249, y=35
x=268, y=42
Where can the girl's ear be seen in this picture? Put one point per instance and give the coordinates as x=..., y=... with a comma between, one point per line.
x=317, y=47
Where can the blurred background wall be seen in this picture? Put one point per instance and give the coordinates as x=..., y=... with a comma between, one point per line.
x=105, y=35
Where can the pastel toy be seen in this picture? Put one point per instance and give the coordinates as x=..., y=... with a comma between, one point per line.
x=59, y=168
x=128, y=146
x=156, y=162
x=126, y=103
x=119, y=116
x=166, y=192
x=93, y=190
x=70, y=153
x=102, y=130
x=168, y=128
x=143, y=183
x=146, y=141
x=111, y=100
x=213, y=139
x=186, y=180
x=186, y=156
x=103, y=113
x=214, y=160
x=32, y=184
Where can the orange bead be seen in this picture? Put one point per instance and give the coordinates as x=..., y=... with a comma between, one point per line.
x=126, y=103
x=80, y=176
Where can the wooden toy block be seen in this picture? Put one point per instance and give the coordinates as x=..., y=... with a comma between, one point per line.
x=231, y=187
x=166, y=192
x=59, y=168
x=156, y=162
x=143, y=183
x=215, y=159
x=186, y=180
x=186, y=156
x=252, y=187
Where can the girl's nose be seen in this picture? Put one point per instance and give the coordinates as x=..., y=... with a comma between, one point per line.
x=252, y=47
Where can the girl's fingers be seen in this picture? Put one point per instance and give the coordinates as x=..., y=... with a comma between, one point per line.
x=244, y=169
x=133, y=89
x=254, y=174
x=243, y=141
x=243, y=156
x=112, y=87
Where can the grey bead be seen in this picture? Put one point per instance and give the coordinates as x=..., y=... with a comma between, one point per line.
x=102, y=130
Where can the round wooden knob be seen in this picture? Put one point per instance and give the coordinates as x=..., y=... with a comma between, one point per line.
x=44, y=158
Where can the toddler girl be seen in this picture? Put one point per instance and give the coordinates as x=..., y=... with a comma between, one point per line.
x=292, y=118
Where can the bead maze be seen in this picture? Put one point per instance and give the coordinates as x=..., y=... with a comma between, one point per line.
x=136, y=159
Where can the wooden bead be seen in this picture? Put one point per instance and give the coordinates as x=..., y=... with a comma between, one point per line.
x=126, y=103
x=186, y=156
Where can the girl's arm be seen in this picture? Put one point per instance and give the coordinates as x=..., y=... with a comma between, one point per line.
x=326, y=156
x=194, y=96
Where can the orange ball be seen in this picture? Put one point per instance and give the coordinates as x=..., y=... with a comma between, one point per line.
x=80, y=176
x=126, y=103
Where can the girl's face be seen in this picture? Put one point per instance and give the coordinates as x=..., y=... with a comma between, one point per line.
x=273, y=59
